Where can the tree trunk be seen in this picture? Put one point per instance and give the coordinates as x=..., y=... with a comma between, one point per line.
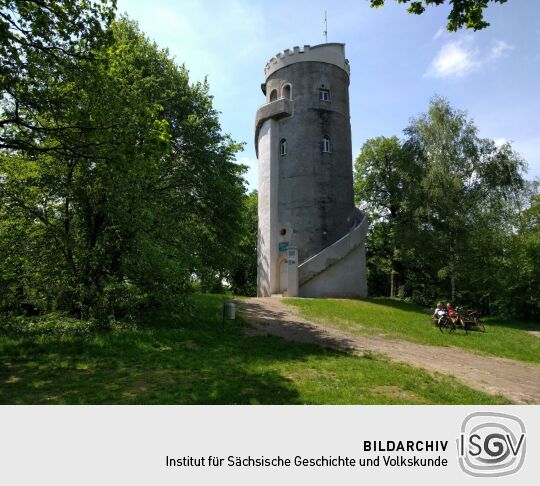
x=452, y=270
x=394, y=272
x=393, y=282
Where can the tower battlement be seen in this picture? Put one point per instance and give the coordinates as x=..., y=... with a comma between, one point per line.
x=331, y=53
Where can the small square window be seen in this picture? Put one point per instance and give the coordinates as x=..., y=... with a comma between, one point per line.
x=324, y=94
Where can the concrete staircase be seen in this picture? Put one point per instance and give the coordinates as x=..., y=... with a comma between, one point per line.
x=349, y=247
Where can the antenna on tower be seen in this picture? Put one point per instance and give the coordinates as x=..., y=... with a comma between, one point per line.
x=325, y=33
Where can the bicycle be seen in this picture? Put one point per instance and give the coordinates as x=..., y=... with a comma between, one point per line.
x=446, y=324
x=471, y=320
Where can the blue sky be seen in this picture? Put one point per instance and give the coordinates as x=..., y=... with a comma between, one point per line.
x=398, y=62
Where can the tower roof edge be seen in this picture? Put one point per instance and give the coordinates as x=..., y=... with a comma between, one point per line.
x=331, y=53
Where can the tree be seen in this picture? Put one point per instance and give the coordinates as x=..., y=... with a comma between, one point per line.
x=387, y=179
x=41, y=41
x=521, y=278
x=464, y=13
x=243, y=274
x=466, y=181
x=443, y=206
x=137, y=203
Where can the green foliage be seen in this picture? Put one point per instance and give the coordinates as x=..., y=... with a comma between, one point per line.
x=387, y=182
x=132, y=198
x=188, y=359
x=243, y=273
x=444, y=207
x=464, y=13
x=42, y=42
x=467, y=186
x=521, y=277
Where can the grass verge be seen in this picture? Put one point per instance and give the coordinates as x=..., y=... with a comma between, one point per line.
x=397, y=319
x=168, y=359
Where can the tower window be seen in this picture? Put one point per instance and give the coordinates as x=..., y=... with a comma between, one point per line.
x=283, y=147
x=286, y=91
x=324, y=94
x=273, y=95
x=326, y=146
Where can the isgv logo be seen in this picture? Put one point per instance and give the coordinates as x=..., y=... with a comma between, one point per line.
x=491, y=444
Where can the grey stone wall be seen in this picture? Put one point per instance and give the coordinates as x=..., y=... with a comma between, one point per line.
x=315, y=188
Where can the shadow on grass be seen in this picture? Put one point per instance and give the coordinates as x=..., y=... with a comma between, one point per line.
x=166, y=363
x=512, y=323
x=188, y=359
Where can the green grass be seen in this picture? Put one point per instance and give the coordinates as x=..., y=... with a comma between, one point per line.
x=169, y=360
x=396, y=319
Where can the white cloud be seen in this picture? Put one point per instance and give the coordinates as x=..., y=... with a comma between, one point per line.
x=455, y=59
x=460, y=57
x=500, y=49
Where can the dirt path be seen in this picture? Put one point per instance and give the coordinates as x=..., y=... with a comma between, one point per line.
x=516, y=380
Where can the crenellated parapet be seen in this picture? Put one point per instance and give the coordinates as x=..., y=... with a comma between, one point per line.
x=332, y=53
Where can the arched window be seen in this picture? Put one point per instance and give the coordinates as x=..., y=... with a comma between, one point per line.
x=273, y=95
x=286, y=91
x=326, y=146
x=283, y=147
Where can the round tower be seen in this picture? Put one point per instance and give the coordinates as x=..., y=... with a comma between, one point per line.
x=306, y=202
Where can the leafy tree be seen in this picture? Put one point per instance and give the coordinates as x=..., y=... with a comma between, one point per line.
x=243, y=274
x=443, y=206
x=465, y=178
x=521, y=276
x=464, y=13
x=387, y=180
x=134, y=205
x=42, y=41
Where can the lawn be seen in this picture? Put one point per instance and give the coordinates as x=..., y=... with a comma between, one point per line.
x=170, y=360
x=396, y=319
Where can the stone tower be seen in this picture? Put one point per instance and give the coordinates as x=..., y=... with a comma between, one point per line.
x=311, y=236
